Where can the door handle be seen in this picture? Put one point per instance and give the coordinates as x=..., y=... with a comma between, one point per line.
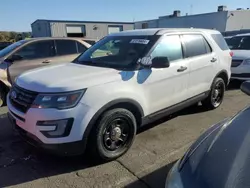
x=213, y=59
x=181, y=69
x=46, y=61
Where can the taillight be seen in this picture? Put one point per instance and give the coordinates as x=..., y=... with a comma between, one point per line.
x=231, y=53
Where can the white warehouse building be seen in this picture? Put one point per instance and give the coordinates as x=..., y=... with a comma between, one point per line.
x=223, y=20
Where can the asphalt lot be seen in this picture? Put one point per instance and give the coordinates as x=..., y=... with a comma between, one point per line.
x=147, y=163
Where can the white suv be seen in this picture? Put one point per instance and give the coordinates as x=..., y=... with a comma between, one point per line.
x=124, y=81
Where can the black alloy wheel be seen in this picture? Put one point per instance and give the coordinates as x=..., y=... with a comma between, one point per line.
x=113, y=135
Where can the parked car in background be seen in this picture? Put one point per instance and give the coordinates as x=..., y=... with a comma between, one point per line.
x=4, y=44
x=33, y=53
x=227, y=38
x=124, y=81
x=218, y=158
x=240, y=46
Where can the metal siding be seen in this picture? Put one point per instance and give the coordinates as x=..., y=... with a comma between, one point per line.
x=40, y=29
x=239, y=20
x=215, y=20
x=58, y=29
x=151, y=24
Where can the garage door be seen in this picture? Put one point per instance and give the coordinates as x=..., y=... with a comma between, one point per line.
x=75, y=31
x=114, y=29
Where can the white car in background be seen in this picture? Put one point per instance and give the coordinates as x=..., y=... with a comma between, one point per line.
x=240, y=46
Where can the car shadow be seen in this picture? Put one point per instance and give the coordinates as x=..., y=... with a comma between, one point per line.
x=234, y=85
x=21, y=163
x=195, y=109
x=155, y=179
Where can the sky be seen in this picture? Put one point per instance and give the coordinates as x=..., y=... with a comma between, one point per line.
x=17, y=15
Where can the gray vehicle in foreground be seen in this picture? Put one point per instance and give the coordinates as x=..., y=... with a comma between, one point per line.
x=219, y=158
x=34, y=53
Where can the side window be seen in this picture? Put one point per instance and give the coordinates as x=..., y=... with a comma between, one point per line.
x=169, y=46
x=39, y=49
x=195, y=45
x=81, y=48
x=66, y=47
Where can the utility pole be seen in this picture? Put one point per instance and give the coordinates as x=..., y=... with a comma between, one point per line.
x=191, y=9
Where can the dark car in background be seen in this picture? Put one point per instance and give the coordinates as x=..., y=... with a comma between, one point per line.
x=4, y=44
x=220, y=158
x=34, y=53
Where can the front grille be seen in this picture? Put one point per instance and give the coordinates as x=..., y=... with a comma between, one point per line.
x=236, y=63
x=21, y=98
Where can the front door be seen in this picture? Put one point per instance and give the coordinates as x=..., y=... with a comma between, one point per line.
x=166, y=86
x=33, y=55
x=202, y=61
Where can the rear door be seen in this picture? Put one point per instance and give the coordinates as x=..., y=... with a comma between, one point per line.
x=68, y=50
x=202, y=61
x=33, y=55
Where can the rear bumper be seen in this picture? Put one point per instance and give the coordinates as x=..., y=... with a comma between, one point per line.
x=66, y=149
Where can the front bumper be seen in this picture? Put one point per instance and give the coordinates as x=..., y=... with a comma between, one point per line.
x=66, y=149
x=82, y=115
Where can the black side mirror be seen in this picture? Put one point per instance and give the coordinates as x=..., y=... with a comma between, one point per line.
x=245, y=87
x=160, y=62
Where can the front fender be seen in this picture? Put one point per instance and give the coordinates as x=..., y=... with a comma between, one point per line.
x=99, y=96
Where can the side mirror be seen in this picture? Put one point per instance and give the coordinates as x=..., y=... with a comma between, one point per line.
x=160, y=62
x=245, y=87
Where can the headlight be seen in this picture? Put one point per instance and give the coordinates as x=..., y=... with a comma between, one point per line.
x=59, y=100
x=246, y=62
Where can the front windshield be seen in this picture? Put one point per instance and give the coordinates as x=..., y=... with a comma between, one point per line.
x=117, y=51
x=11, y=47
x=239, y=43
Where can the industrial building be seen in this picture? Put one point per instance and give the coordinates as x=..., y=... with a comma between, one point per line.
x=86, y=29
x=227, y=22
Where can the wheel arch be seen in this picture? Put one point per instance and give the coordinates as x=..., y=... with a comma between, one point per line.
x=224, y=75
x=128, y=104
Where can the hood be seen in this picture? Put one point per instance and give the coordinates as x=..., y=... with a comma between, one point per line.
x=223, y=158
x=66, y=77
x=241, y=54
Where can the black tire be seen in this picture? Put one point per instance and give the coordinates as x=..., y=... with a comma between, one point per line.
x=2, y=97
x=106, y=132
x=216, y=95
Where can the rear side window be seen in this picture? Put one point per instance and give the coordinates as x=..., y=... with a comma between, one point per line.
x=219, y=39
x=169, y=46
x=91, y=42
x=66, y=47
x=195, y=45
x=81, y=48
